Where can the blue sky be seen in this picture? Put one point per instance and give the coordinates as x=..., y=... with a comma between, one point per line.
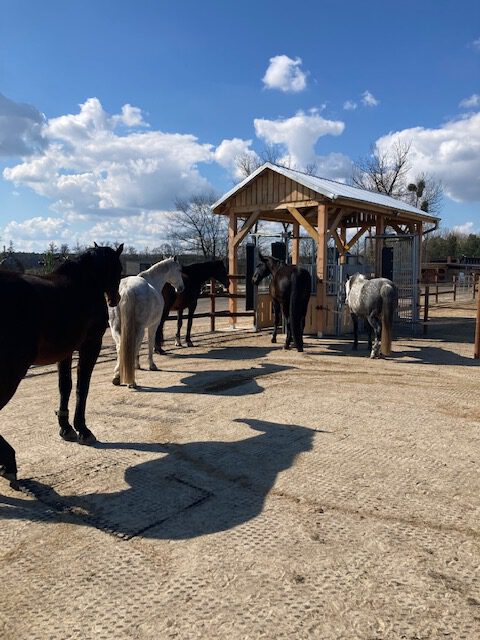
x=109, y=110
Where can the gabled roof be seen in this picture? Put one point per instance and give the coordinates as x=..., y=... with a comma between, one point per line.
x=332, y=190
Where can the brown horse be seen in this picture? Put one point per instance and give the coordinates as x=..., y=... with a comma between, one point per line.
x=194, y=276
x=44, y=320
x=290, y=289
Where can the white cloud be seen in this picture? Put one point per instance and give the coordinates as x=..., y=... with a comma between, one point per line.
x=298, y=135
x=20, y=128
x=451, y=153
x=476, y=44
x=466, y=228
x=285, y=74
x=369, y=100
x=349, y=105
x=471, y=103
x=36, y=233
x=90, y=169
x=227, y=153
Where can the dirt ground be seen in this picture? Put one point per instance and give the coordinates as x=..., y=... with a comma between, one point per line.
x=247, y=492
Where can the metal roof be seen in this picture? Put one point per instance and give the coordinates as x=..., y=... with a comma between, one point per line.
x=332, y=190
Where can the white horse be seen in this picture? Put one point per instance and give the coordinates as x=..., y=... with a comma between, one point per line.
x=374, y=299
x=140, y=307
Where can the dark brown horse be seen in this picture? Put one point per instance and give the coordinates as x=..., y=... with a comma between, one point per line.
x=290, y=288
x=194, y=277
x=44, y=320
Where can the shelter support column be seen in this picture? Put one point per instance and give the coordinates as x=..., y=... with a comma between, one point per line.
x=322, y=230
x=232, y=266
x=296, y=243
x=343, y=240
x=379, y=231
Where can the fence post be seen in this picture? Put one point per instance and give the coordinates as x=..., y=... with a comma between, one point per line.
x=212, y=304
x=436, y=288
x=425, y=309
x=454, y=288
x=476, y=353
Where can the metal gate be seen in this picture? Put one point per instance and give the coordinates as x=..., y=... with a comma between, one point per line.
x=400, y=257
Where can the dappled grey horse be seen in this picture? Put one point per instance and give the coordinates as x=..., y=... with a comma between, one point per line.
x=374, y=299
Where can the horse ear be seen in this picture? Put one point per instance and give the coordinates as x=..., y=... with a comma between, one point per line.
x=262, y=258
x=175, y=258
x=95, y=245
x=119, y=249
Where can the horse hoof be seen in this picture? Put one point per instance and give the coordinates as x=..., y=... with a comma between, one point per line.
x=116, y=381
x=189, y=343
x=286, y=347
x=86, y=437
x=153, y=367
x=68, y=434
x=159, y=350
x=300, y=349
x=11, y=476
x=178, y=344
x=133, y=385
x=273, y=340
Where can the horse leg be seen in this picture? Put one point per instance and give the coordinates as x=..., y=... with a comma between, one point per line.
x=87, y=358
x=191, y=311
x=286, y=315
x=151, y=344
x=369, y=335
x=355, y=331
x=67, y=432
x=276, y=320
x=159, y=340
x=178, y=342
x=377, y=329
x=11, y=374
x=115, y=329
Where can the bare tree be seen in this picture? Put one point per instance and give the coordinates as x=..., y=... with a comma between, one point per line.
x=386, y=172
x=426, y=194
x=196, y=229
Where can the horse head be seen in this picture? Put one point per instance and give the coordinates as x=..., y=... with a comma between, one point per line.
x=262, y=270
x=108, y=269
x=174, y=275
x=220, y=273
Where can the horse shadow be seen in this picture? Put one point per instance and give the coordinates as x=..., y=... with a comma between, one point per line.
x=415, y=354
x=236, y=382
x=192, y=489
x=223, y=353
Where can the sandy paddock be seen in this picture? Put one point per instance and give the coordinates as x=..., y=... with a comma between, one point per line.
x=249, y=492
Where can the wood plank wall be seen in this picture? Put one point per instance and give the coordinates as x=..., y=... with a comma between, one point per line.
x=272, y=188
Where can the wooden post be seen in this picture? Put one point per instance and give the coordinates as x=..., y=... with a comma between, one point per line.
x=436, y=288
x=454, y=288
x=296, y=243
x=425, y=308
x=476, y=353
x=212, y=304
x=380, y=230
x=322, y=228
x=343, y=238
x=232, y=266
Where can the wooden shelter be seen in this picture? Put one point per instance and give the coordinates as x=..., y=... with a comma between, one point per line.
x=324, y=209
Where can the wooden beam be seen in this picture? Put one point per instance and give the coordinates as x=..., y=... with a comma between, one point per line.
x=296, y=242
x=397, y=227
x=357, y=236
x=322, y=228
x=334, y=225
x=246, y=227
x=232, y=264
x=340, y=246
x=305, y=224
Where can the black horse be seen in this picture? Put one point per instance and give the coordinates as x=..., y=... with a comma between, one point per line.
x=44, y=320
x=194, y=277
x=290, y=288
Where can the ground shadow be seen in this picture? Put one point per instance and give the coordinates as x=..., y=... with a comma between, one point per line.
x=236, y=382
x=193, y=489
x=415, y=354
x=220, y=353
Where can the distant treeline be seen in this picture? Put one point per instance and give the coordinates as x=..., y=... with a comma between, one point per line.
x=440, y=245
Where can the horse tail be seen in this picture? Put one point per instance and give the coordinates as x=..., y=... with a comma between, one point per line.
x=126, y=358
x=298, y=306
x=388, y=310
